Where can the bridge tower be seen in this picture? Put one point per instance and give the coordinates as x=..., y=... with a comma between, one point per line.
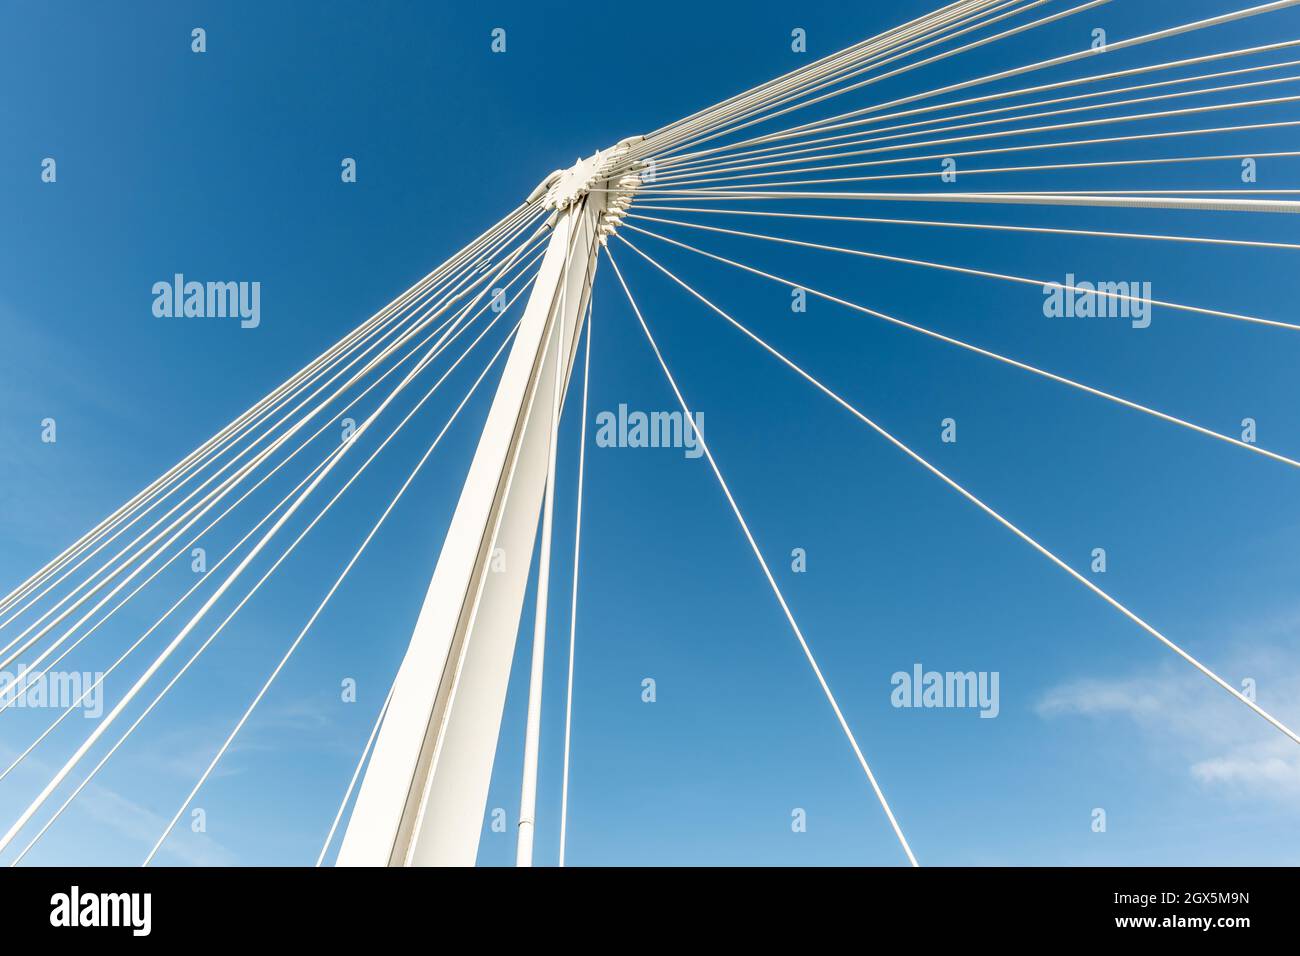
x=423, y=796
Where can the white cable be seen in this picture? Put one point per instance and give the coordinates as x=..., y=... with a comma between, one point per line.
x=239, y=725
x=215, y=496
x=99, y=679
x=765, y=92
x=211, y=446
x=102, y=677
x=776, y=589
x=1208, y=432
x=22, y=676
x=573, y=600
x=858, y=51
x=1089, y=5
x=1046, y=167
x=332, y=459
x=828, y=123
x=432, y=313
x=998, y=134
x=997, y=516
x=721, y=192
x=356, y=775
x=19, y=679
x=921, y=29
x=701, y=176
x=996, y=227
x=1032, y=199
x=108, y=719
x=673, y=173
x=981, y=273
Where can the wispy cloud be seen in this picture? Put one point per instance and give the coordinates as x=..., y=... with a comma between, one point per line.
x=130, y=819
x=111, y=811
x=1178, y=710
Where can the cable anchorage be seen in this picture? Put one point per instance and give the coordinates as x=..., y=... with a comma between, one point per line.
x=608, y=171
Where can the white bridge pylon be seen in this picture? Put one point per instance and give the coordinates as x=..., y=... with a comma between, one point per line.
x=424, y=793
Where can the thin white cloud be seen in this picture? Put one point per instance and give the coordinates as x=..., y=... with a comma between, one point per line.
x=113, y=811
x=1226, y=746
x=1273, y=768
x=1091, y=698
x=130, y=819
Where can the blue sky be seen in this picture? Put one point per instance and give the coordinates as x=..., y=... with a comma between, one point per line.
x=226, y=166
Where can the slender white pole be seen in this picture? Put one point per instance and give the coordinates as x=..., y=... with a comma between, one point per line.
x=573, y=598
